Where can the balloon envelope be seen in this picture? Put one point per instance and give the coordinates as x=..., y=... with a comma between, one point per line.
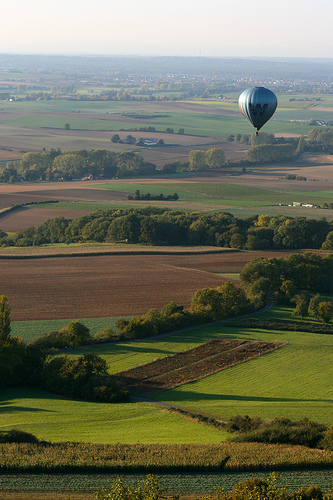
x=258, y=105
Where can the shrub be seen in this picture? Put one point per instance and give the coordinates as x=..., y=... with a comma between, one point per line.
x=148, y=489
x=243, y=424
x=327, y=441
x=83, y=378
x=284, y=431
x=106, y=335
x=312, y=492
x=74, y=334
x=17, y=436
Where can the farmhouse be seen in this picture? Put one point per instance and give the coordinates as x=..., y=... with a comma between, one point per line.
x=308, y=205
x=148, y=141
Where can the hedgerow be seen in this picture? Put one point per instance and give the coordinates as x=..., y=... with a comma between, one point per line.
x=283, y=325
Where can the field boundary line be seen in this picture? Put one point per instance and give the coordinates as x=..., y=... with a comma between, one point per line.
x=114, y=252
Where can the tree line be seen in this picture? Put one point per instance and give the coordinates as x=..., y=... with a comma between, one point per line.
x=28, y=364
x=207, y=305
x=289, y=278
x=266, y=148
x=159, y=226
x=54, y=165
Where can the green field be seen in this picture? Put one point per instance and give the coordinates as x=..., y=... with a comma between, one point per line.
x=289, y=117
x=222, y=193
x=294, y=381
x=92, y=206
x=58, y=419
x=239, y=208
x=29, y=330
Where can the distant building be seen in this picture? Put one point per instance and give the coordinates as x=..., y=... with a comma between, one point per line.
x=307, y=205
x=148, y=141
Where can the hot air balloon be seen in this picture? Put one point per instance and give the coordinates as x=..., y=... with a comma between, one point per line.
x=258, y=105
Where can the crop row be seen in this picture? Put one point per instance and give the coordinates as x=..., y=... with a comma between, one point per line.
x=193, y=364
x=82, y=457
x=181, y=359
x=173, y=484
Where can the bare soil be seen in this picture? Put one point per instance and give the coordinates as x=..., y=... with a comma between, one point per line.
x=28, y=217
x=111, y=285
x=31, y=216
x=191, y=107
x=62, y=192
x=191, y=365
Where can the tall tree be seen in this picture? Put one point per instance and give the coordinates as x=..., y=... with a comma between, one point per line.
x=78, y=333
x=5, y=327
x=324, y=312
x=215, y=158
x=302, y=306
x=197, y=159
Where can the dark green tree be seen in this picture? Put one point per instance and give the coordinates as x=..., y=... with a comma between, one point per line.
x=78, y=334
x=115, y=138
x=5, y=327
x=302, y=306
x=197, y=159
x=215, y=158
x=324, y=312
x=313, y=304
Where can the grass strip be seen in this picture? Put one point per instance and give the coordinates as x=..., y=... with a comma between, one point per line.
x=191, y=365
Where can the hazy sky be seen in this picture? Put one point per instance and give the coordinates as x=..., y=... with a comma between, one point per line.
x=174, y=27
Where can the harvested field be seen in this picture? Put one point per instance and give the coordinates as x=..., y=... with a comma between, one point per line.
x=16, y=140
x=28, y=217
x=160, y=156
x=194, y=364
x=46, y=193
x=264, y=179
x=31, y=216
x=111, y=285
x=191, y=107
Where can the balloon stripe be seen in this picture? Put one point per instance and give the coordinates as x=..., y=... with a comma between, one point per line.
x=257, y=104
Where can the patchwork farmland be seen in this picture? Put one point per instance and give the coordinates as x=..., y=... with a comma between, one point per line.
x=103, y=281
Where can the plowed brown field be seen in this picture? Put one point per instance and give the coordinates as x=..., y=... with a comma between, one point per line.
x=194, y=364
x=28, y=217
x=111, y=285
x=45, y=193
